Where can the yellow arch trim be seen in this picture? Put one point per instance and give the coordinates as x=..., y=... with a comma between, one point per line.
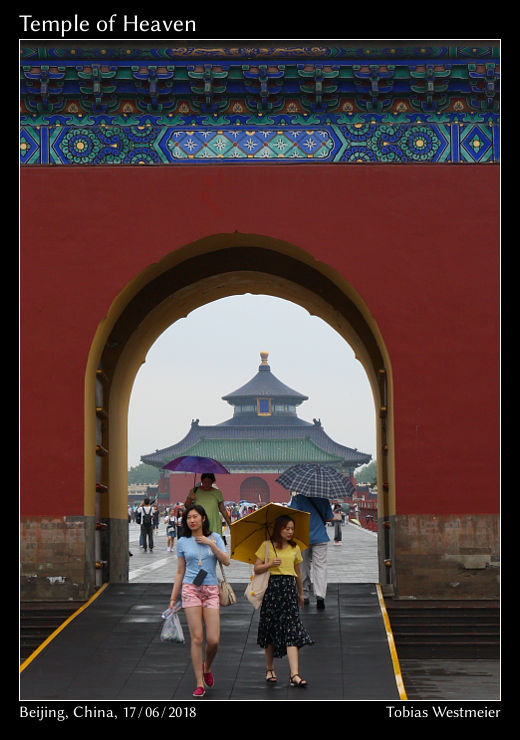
x=200, y=291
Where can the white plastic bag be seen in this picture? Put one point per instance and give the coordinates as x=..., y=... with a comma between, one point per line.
x=172, y=629
x=172, y=609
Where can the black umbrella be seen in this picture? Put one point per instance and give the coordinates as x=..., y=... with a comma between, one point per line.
x=316, y=481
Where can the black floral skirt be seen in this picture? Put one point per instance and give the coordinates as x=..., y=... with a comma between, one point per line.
x=280, y=624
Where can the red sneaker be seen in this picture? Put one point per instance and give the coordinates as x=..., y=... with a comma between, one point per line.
x=208, y=678
x=199, y=691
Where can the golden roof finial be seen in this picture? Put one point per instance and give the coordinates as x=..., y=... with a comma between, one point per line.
x=264, y=355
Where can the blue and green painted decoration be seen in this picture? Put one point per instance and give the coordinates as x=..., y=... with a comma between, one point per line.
x=162, y=106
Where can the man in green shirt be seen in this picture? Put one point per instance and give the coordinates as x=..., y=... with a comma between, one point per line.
x=211, y=500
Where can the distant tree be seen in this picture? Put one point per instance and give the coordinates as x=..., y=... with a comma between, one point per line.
x=143, y=475
x=367, y=473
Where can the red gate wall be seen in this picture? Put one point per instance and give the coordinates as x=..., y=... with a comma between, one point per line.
x=418, y=243
x=179, y=484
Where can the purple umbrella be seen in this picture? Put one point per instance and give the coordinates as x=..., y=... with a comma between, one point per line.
x=195, y=464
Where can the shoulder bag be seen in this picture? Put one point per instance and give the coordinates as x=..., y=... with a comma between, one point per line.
x=226, y=594
x=225, y=591
x=257, y=587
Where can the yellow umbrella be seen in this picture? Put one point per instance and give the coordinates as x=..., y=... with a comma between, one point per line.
x=248, y=533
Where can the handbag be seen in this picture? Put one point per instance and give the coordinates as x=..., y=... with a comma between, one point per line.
x=257, y=587
x=226, y=594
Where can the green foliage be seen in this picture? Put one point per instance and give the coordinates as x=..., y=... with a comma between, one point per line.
x=367, y=473
x=143, y=475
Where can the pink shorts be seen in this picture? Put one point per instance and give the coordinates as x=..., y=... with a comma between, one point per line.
x=205, y=596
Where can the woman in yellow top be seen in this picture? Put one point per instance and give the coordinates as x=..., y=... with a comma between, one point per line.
x=280, y=629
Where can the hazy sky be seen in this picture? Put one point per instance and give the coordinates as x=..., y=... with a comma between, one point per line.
x=216, y=349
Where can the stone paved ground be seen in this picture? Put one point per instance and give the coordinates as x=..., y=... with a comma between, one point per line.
x=355, y=561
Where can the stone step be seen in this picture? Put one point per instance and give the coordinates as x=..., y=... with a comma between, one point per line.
x=38, y=620
x=441, y=629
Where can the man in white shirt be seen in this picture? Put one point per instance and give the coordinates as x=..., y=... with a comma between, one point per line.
x=147, y=511
x=315, y=556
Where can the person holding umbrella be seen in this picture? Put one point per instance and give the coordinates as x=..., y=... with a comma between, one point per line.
x=211, y=500
x=280, y=630
x=313, y=486
x=314, y=565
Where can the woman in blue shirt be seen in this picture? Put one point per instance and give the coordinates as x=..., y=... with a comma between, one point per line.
x=198, y=550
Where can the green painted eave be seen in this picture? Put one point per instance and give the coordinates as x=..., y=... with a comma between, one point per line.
x=231, y=452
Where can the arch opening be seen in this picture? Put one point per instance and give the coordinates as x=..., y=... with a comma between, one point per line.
x=171, y=290
x=255, y=490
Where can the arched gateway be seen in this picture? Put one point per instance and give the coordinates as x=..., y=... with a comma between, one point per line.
x=172, y=291
x=337, y=193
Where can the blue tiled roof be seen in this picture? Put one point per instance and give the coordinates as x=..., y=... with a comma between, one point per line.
x=265, y=384
x=249, y=438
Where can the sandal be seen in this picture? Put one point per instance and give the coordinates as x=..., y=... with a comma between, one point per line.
x=301, y=683
x=272, y=678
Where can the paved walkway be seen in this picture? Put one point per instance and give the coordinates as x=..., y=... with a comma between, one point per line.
x=354, y=561
x=112, y=650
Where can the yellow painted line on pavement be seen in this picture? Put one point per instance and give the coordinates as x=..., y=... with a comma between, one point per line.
x=44, y=644
x=391, y=644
